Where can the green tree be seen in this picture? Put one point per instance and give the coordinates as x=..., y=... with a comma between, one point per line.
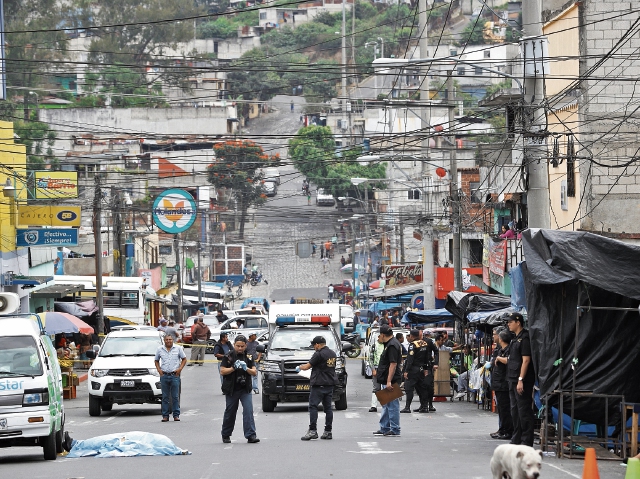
x=38, y=139
x=472, y=34
x=238, y=168
x=254, y=77
x=219, y=28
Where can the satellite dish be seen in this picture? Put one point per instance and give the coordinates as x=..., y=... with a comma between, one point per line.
x=501, y=197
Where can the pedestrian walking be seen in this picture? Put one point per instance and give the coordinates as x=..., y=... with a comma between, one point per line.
x=389, y=377
x=237, y=369
x=221, y=349
x=325, y=264
x=500, y=386
x=323, y=380
x=172, y=331
x=199, y=336
x=374, y=359
x=521, y=379
x=252, y=346
x=323, y=251
x=330, y=288
x=417, y=368
x=170, y=360
x=343, y=261
x=314, y=247
x=291, y=106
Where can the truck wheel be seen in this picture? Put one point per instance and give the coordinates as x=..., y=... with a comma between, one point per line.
x=209, y=349
x=94, y=405
x=341, y=404
x=49, y=447
x=107, y=406
x=267, y=404
x=60, y=440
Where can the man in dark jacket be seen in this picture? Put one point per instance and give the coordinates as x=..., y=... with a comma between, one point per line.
x=499, y=384
x=237, y=368
x=418, y=372
x=389, y=376
x=323, y=380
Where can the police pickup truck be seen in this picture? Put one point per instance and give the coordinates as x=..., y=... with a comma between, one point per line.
x=291, y=328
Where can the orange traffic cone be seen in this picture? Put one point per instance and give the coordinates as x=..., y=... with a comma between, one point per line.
x=590, y=470
x=633, y=469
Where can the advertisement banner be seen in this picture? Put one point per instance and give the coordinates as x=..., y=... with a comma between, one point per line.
x=56, y=184
x=498, y=257
x=47, y=237
x=49, y=215
x=174, y=211
x=402, y=274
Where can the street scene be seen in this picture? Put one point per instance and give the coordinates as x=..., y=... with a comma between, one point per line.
x=319, y=239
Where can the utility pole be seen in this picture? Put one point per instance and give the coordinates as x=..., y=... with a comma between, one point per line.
x=455, y=199
x=353, y=262
x=534, y=116
x=97, y=238
x=427, y=265
x=401, y=239
x=199, y=273
x=176, y=247
x=354, y=79
x=117, y=229
x=343, y=93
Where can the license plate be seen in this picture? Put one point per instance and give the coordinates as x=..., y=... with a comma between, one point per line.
x=3, y=424
x=302, y=387
x=127, y=384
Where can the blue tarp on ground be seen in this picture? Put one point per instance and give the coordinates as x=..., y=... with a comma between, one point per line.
x=126, y=444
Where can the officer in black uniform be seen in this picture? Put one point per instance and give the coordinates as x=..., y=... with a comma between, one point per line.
x=323, y=380
x=418, y=372
x=521, y=378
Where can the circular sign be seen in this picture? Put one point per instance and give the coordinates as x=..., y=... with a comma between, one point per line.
x=174, y=211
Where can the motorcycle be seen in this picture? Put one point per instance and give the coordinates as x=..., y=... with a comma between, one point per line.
x=354, y=339
x=257, y=278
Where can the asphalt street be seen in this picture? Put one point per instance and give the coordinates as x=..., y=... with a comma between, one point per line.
x=451, y=443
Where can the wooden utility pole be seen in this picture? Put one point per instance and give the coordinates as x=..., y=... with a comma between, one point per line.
x=97, y=238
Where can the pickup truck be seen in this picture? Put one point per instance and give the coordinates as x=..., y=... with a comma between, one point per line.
x=347, y=286
x=324, y=199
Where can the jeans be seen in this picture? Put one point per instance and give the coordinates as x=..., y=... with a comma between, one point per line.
x=376, y=387
x=522, y=414
x=229, y=419
x=254, y=382
x=198, y=350
x=463, y=382
x=221, y=379
x=170, y=386
x=390, y=417
x=324, y=395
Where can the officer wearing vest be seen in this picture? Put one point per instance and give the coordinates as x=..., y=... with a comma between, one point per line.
x=418, y=372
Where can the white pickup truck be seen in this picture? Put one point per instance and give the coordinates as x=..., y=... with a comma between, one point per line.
x=324, y=199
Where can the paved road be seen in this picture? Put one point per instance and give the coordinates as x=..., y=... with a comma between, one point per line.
x=452, y=443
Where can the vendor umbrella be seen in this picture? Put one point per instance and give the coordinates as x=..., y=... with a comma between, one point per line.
x=55, y=323
x=347, y=267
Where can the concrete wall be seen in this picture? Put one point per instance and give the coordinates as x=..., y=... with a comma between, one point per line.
x=608, y=118
x=146, y=121
x=86, y=266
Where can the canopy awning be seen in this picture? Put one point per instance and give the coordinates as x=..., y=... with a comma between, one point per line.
x=388, y=292
x=57, y=291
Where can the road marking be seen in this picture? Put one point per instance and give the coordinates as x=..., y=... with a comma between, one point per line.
x=371, y=448
x=451, y=415
x=352, y=415
x=191, y=412
x=562, y=470
x=210, y=470
x=113, y=417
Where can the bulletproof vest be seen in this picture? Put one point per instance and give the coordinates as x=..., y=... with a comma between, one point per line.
x=420, y=355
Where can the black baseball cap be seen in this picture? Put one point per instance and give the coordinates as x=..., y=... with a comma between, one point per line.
x=318, y=340
x=223, y=334
x=386, y=330
x=515, y=317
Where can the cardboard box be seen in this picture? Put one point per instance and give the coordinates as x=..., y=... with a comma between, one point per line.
x=69, y=392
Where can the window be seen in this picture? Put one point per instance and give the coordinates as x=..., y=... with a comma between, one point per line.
x=475, y=193
x=563, y=196
x=487, y=53
x=453, y=53
x=263, y=15
x=478, y=70
x=414, y=194
x=475, y=251
x=461, y=71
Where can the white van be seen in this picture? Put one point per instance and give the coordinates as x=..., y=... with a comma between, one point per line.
x=31, y=406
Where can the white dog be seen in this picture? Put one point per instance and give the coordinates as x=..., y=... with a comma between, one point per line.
x=516, y=462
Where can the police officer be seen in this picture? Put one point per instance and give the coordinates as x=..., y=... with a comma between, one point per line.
x=417, y=368
x=323, y=379
x=521, y=378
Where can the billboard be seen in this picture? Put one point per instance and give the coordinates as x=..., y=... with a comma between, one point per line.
x=174, y=211
x=49, y=215
x=402, y=274
x=46, y=237
x=56, y=184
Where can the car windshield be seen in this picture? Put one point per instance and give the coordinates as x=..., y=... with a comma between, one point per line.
x=296, y=339
x=130, y=346
x=19, y=357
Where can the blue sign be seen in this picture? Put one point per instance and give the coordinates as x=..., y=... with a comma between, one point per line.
x=174, y=211
x=47, y=237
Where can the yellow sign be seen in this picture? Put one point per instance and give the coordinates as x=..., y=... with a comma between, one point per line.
x=49, y=215
x=302, y=387
x=56, y=184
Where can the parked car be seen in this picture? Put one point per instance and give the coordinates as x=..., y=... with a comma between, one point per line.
x=209, y=319
x=346, y=287
x=323, y=198
x=251, y=323
x=270, y=187
x=271, y=173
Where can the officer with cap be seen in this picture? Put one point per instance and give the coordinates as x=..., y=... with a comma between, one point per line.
x=418, y=372
x=323, y=380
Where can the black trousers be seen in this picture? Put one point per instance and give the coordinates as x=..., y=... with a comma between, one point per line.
x=324, y=395
x=429, y=382
x=417, y=382
x=522, y=414
x=504, y=412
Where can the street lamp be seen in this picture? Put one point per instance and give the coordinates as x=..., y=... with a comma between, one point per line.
x=9, y=191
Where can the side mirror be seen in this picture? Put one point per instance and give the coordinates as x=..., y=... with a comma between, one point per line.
x=346, y=346
x=261, y=349
x=90, y=353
